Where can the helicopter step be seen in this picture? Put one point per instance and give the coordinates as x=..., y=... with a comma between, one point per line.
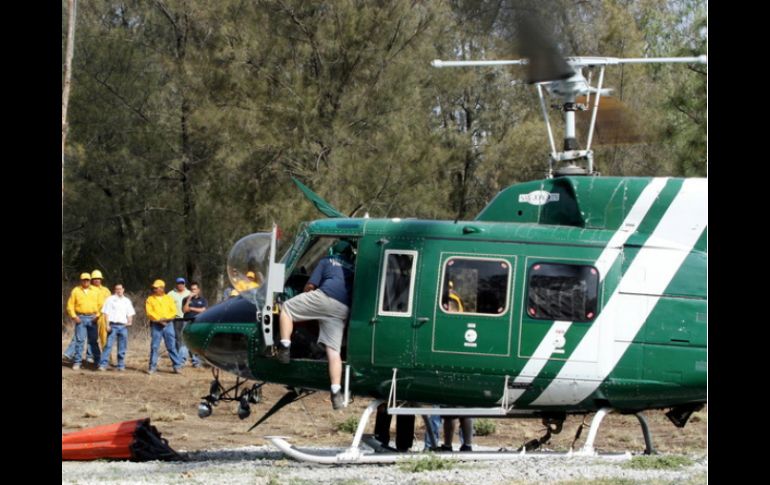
x=394, y=409
x=379, y=454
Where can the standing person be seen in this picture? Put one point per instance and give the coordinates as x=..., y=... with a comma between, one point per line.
x=404, y=429
x=466, y=433
x=432, y=427
x=161, y=310
x=251, y=282
x=327, y=299
x=192, y=306
x=95, y=285
x=83, y=310
x=179, y=293
x=119, y=312
x=102, y=293
x=255, y=281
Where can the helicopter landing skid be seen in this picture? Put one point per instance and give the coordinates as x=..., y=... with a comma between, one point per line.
x=379, y=454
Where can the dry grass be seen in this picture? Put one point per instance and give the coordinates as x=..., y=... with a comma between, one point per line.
x=168, y=416
x=91, y=412
x=171, y=400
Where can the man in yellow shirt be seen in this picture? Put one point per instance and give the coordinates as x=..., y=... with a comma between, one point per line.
x=161, y=311
x=83, y=309
x=102, y=294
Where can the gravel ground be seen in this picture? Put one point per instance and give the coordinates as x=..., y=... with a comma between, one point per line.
x=266, y=465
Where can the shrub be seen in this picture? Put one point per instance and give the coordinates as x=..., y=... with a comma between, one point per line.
x=349, y=425
x=429, y=463
x=658, y=462
x=483, y=427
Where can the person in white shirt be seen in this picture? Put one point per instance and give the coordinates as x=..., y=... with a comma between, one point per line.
x=119, y=312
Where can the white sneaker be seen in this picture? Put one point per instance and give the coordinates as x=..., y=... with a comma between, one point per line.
x=75, y=366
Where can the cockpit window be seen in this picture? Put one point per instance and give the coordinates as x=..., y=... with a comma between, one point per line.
x=293, y=250
x=317, y=250
x=562, y=292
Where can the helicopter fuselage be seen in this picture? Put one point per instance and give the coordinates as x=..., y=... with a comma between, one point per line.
x=576, y=293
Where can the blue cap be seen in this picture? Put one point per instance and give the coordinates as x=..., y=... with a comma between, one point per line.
x=181, y=280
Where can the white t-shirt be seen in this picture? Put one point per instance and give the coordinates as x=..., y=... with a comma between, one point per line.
x=118, y=309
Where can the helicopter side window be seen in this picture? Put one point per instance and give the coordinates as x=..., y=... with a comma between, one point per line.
x=397, y=283
x=562, y=292
x=475, y=286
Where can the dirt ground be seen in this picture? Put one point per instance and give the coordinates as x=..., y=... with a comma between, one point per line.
x=92, y=398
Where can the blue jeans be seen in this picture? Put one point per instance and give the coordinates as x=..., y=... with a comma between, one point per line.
x=119, y=332
x=166, y=332
x=432, y=432
x=86, y=332
x=432, y=435
x=70, y=352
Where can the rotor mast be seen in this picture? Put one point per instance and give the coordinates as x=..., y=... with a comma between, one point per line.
x=571, y=160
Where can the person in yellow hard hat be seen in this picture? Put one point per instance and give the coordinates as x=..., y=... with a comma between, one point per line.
x=83, y=309
x=102, y=294
x=255, y=281
x=161, y=311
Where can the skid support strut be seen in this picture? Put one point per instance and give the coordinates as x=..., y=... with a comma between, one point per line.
x=649, y=449
x=588, y=448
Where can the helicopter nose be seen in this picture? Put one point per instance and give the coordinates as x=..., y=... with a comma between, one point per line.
x=221, y=335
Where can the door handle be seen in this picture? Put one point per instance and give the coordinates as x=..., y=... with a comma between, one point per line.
x=420, y=321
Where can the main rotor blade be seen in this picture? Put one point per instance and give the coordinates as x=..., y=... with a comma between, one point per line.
x=324, y=207
x=545, y=61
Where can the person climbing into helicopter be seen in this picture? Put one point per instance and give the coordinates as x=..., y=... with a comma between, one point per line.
x=326, y=298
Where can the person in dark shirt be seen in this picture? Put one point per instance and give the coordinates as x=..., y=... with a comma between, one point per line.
x=191, y=306
x=326, y=298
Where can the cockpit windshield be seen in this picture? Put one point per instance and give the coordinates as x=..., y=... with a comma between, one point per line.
x=248, y=264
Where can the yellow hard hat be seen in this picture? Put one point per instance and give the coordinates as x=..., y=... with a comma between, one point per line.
x=158, y=284
x=251, y=274
x=96, y=274
x=85, y=276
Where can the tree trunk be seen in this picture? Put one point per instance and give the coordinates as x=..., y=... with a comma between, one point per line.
x=65, y=98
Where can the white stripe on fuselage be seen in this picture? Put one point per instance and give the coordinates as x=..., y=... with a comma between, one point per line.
x=608, y=257
x=623, y=316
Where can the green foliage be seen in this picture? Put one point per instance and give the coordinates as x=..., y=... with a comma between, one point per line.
x=188, y=119
x=428, y=463
x=658, y=462
x=483, y=427
x=349, y=425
